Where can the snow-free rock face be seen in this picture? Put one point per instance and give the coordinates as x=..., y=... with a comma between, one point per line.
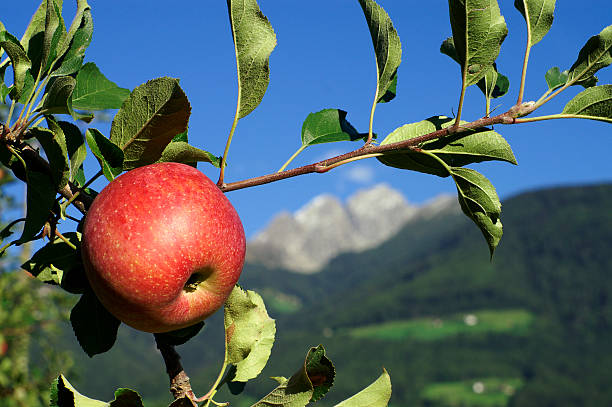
x=305, y=241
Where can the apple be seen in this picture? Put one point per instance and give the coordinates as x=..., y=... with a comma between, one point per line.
x=162, y=247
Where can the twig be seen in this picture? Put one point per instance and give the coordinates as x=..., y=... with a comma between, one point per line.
x=180, y=386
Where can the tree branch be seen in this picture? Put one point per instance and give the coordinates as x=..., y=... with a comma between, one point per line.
x=180, y=386
x=508, y=117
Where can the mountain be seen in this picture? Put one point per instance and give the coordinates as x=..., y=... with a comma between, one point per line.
x=533, y=327
x=306, y=240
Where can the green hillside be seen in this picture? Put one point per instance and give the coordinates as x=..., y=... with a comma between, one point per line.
x=531, y=328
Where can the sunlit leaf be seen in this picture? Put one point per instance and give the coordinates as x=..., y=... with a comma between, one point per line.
x=539, y=16
x=479, y=202
x=478, y=32
x=387, y=47
x=148, y=121
x=54, y=35
x=596, y=54
x=64, y=395
x=595, y=102
x=249, y=333
x=94, y=92
x=73, y=58
x=254, y=40
x=109, y=155
x=326, y=126
x=376, y=394
x=555, y=78
x=182, y=152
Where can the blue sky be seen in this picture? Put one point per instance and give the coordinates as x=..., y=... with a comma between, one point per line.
x=324, y=59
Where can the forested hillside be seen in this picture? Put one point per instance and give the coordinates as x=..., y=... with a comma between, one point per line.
x=533, y=327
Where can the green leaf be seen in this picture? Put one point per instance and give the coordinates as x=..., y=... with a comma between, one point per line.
x=53, y=143
x=75, y=144
x=309, y=383
x=555, y=78
x=40, y=200
x=455, y=150
x=72, y=60
x=36, y=27
x=538, y=15
x=54, y=35
x=180, y=336
x=94, y=327
x=109, y=155
x=596, y=54
x=148, y=120
x=491, y=76
x=478, y=32
x=126, y=398
x=59, y=264
x=595, y=102
x=387, y=47
x=94, y=92
x=182, y=152
x=249, y=333
x=254, y=40
x=479, y=202
x=59, y=96
x=326, y=126
x=321, y=372
x=376, y=394
x=64, y=395
x=494, y=84
x=19, y=60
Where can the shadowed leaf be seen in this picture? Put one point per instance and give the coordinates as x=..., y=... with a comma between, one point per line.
x=182, y=152
x=19, y=60
x=109, y=155
x=555, y=78
x=326, y=126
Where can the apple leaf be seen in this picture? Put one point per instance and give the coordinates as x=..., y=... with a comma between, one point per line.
x=538, y=15
x=387, y=47
x=64, y=395
x=73, y=58
x=93, y=91
x=594, y=55
x=308, y=384
x=59, y=98
x=491, y=76
x=326, y=126
x=59, y=264
x=19, y=60
x=180, y=336
x=109, y=155
x=478, y=32
x=479, y=201
x=376, y=394
x=254, y=40
x=249, y=333
x=54, y=35
x=182, y=152
x=148, y=120
x=94, y=327
x=75, y=145
x=454, y=150
x=555, y=78
x=53, y=143
x=594, y=103
x=40, y=199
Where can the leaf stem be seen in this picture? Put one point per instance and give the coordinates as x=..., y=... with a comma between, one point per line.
x=213, y=389
x=526, y=58
x=562, y=116
x=461, y=97
x=63, y=238
x=302, y=148
x=371, y=125
x=10, y=114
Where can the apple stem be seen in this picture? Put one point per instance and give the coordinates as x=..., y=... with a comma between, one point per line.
x=180, y=386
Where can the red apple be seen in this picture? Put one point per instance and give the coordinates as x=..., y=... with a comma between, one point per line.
x=162, y=247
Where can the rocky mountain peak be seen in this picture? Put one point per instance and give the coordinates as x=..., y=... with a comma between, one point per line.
x=305, y=241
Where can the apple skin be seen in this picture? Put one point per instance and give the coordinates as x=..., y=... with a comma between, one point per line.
x=162, y=247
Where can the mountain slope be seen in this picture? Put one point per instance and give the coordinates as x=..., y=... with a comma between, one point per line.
x=552, y=270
